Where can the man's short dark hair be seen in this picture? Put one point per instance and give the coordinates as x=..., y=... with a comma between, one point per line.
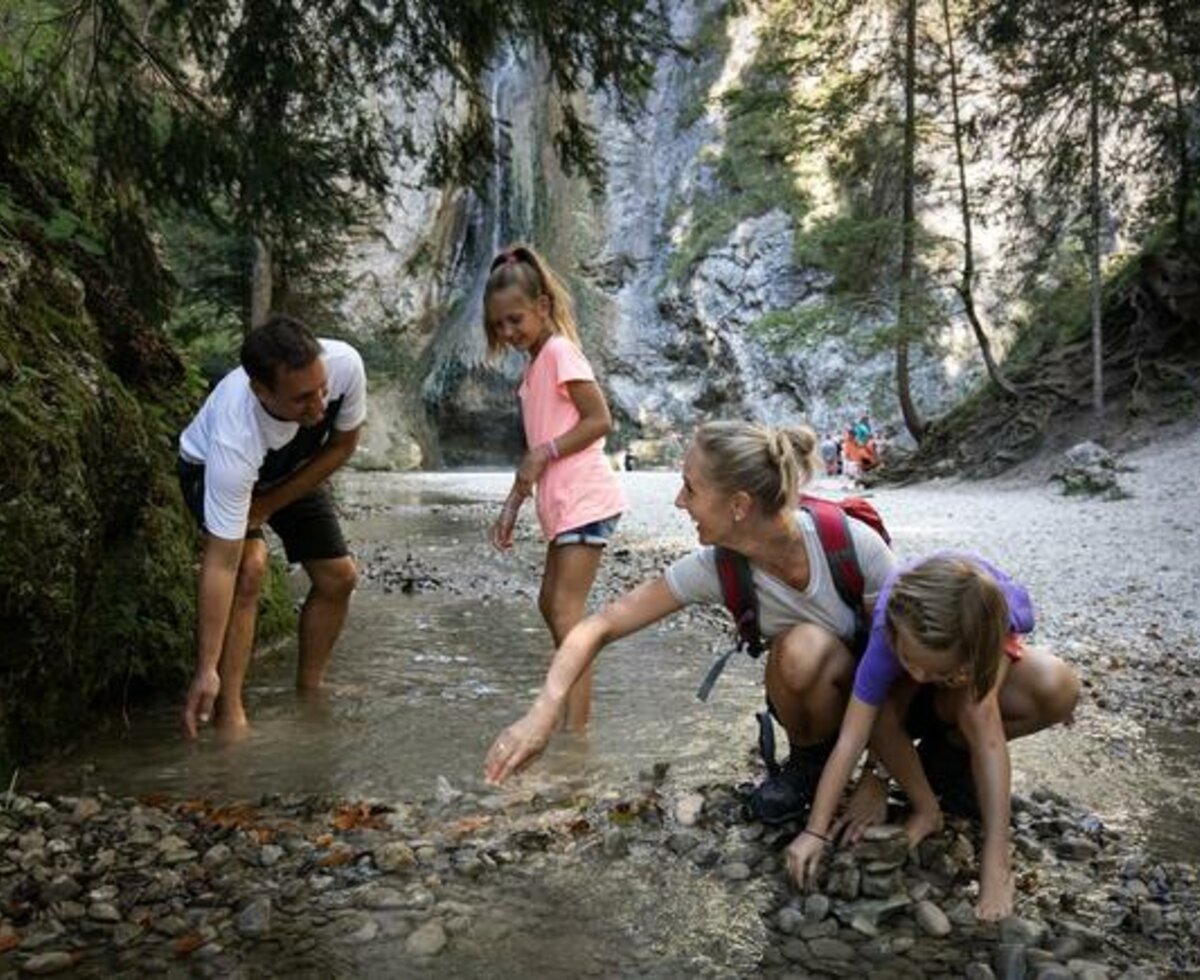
x=282, y=341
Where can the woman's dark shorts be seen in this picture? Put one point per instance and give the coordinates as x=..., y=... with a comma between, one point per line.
x=308, y=527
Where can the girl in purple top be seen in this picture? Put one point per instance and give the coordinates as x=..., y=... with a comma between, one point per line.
x=954, y=622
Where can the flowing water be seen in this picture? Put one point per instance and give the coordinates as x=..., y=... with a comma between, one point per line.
x=422, y=682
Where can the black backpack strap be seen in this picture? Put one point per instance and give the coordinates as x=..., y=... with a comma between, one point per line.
x=737, y=592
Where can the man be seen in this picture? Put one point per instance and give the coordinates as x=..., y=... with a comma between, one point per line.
x=258, y=452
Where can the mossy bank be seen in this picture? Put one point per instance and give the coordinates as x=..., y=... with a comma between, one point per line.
x=97, y=554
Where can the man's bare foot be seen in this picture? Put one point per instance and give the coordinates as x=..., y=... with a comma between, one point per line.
x=231, y=724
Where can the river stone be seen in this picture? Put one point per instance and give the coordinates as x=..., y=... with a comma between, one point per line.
x=45, y=963
x=103, y=912
x=880, y=885
x=615, y=844
x=886, y=844
x=1075, y=848
x=865, y=927
x=796, y=951
x=1023, y=931
x=1150, y=918
x=961, y=913
x=62, y=888
x=255, y=919
x=85, y=809
x=844, y=881
x=816, y=907
x=1067, y=948
x=873, y=911
x=825, y=948
x=789, y=919
x=1009, y=961
x=1089, y=970
x=681, y=842
x=270, y=855
x=216, y=856
x=394, y=856
x=931, y=919
x=819, y=930
x=688, y=809
x=1053, y=971
x=736, y=871
x=427, y=940
x=978, y=971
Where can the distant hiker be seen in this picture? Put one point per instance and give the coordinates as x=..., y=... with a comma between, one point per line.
x=258, y=452
x=851, y=454
x=579, y=497
x=740, y=486
x=946, y=662
x=862, y=430
x=829, y=454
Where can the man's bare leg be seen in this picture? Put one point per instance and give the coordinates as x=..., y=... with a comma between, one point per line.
x=321, y=619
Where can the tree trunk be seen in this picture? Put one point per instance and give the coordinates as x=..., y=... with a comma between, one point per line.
x=1183, y=180
x=1094, y=208
x=912, y=419
x=261, y=284
x=966, y=288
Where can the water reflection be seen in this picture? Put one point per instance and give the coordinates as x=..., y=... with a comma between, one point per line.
x=421, y=683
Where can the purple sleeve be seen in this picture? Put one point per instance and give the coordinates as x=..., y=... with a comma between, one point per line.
x=1020, y=605
x=879, y=667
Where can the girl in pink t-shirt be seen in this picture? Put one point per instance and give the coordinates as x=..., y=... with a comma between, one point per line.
x=579, y=496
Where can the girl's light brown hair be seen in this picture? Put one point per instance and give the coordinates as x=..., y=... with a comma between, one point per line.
x=950, y=604
x=771, y=465
x=520, y=265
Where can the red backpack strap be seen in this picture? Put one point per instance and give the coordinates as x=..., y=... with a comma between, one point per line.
x=737, y=591
x=833, y=530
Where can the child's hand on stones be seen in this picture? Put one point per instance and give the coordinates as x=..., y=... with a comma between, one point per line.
x=867, y=807
x=804, y=858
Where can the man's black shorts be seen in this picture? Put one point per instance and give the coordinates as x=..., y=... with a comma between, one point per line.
x=308, y=527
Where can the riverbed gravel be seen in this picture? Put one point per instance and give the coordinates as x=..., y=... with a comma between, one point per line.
x=306, y=886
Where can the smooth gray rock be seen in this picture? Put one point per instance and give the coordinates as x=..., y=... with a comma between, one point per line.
x=255, y=919
x=931, y=919
x=428, y=940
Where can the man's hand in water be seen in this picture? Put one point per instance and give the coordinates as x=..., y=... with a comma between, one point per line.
x=202, y=695
x=518, y=745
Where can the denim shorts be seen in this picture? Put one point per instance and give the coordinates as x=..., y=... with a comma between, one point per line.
x=596, y=533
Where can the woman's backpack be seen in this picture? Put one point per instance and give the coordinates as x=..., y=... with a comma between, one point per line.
x=832, y=521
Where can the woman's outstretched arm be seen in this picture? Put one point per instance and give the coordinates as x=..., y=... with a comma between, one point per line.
x=523, y=741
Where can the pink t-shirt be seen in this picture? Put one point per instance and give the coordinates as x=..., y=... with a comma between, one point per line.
x=582, y=487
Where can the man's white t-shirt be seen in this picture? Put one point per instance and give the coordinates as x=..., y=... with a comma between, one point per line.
x=694, y=578
x=232, y=434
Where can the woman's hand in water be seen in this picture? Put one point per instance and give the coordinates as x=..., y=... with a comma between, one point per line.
x=804, y=858
x=519, y=744
x=867, y=807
